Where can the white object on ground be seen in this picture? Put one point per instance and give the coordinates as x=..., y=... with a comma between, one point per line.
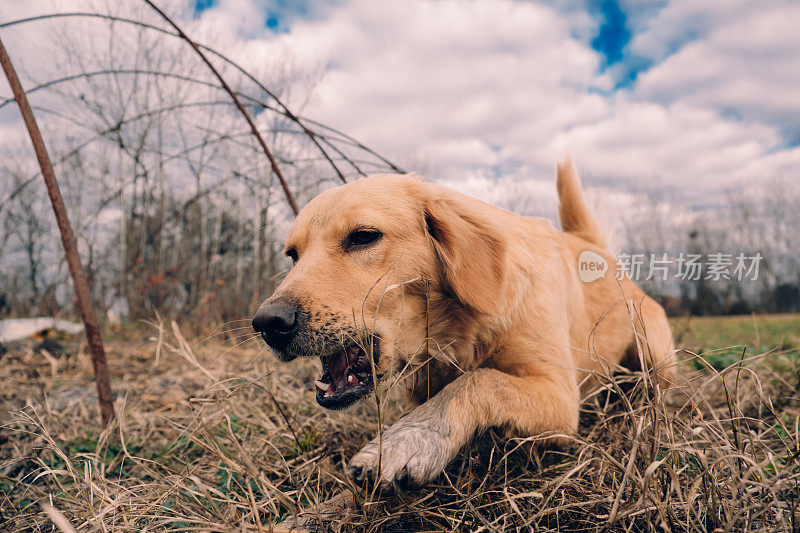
x=13, y=329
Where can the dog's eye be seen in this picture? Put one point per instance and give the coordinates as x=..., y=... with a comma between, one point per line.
x=361, y=238
x=291, y=253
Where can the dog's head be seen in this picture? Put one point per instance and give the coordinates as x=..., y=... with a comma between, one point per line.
x=370, y=260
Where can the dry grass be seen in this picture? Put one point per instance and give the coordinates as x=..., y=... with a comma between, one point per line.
x=212, y=436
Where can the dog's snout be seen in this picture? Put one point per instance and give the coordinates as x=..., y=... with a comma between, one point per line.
x=277, y=324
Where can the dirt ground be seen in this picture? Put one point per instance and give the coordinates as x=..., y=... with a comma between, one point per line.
x=213, y=434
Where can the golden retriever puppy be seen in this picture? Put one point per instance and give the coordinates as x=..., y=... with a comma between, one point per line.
x=484, y=310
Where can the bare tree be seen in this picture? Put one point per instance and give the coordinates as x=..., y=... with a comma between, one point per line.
x=173, y=202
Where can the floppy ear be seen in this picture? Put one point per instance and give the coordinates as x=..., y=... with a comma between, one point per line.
x=471, y=251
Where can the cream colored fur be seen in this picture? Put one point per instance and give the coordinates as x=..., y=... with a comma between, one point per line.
x=485, y=308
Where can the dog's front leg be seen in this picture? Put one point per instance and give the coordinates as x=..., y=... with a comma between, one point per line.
x=418, y=446
x=415, y=449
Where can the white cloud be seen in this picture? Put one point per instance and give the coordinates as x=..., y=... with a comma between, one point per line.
x=488, y=94
x=743, y=62
x=677, y=144
x=458, y=84
x=492, y=86
x=661, y=30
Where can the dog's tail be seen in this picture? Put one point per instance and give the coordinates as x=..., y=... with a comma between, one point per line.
x=572, y=210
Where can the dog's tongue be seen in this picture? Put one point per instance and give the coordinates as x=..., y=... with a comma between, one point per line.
x=337, y=367
x=339, y=363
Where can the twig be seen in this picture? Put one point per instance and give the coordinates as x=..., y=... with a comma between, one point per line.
x=82, y=292
x=273, y=163
x=299, y=120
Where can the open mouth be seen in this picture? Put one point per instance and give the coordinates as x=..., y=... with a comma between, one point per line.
x=347, y=376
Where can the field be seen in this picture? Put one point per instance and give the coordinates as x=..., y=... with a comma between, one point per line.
x=214, y=435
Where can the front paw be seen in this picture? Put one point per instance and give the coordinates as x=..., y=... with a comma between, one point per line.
x=413, y=455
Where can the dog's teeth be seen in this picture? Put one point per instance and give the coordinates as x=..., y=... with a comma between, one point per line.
x=329, y=392
x=321, y=386
x=352, y=380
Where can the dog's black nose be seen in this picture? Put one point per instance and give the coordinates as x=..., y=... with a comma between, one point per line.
x=277, y=324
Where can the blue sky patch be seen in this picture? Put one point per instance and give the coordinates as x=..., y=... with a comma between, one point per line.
x=202, y=5
x=614, y=33
x=611, y=42
x=278, y=14
x=276, y=23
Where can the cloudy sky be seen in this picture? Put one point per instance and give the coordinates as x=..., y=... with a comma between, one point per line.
x=689, y=94
x=693, y=94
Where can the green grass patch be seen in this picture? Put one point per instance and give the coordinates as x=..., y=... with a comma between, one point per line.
x=754, y=331
x=720, y=341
